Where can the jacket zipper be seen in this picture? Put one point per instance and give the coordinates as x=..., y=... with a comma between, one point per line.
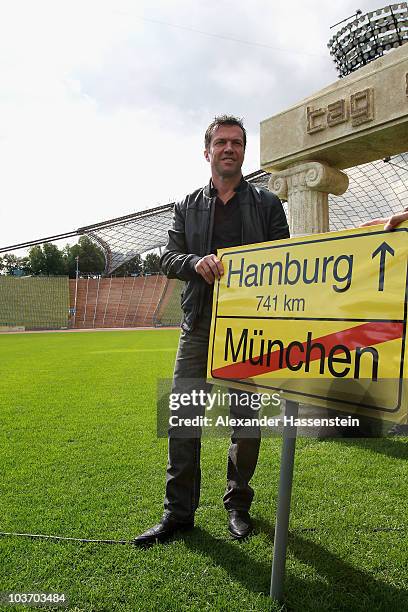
x=206, y=249
x=206, y=244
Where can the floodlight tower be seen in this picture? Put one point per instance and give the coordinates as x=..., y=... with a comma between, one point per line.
x=364, y=38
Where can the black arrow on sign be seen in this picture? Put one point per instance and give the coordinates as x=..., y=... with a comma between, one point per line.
x=382, y=250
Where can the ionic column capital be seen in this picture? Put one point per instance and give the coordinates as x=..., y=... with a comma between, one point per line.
x=309, y=176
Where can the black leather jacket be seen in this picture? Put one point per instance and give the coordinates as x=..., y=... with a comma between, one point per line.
x=263, y=219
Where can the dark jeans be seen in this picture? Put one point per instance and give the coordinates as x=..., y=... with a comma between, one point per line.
x=183, y=469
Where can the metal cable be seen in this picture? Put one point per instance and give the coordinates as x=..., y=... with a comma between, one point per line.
x=39, y=536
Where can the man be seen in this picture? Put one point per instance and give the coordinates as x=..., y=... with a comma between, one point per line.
x=228, y=212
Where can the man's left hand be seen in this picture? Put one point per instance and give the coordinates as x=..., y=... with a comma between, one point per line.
x=390, y=222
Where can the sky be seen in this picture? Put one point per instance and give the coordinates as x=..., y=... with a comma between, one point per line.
x=104, y=103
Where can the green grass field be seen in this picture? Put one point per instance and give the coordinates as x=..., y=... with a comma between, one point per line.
x=80, y=458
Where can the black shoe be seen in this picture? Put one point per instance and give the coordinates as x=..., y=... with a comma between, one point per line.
x=239, y=524
x=161, y=532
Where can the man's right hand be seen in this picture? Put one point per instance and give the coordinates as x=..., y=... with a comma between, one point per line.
x=210, y=268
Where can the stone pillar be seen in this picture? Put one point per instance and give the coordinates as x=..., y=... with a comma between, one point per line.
x=306, y=187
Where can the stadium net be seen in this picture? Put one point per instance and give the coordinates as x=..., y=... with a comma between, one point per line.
x=34, y=303
x=376, y=189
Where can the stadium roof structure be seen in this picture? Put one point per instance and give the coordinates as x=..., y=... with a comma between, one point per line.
x=376, y=189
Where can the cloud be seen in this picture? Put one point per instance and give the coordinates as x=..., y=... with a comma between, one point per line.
x=103, y=108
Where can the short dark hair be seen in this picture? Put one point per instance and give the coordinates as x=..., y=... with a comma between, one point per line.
x=218, y=122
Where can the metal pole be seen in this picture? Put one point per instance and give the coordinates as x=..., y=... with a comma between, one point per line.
x=96, y=301
x=76, y=287
x=308, y=209
x=284, y=496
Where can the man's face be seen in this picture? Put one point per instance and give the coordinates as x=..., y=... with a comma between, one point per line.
x=226, y=151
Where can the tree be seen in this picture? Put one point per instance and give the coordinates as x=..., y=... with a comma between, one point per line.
x=133, y=266
x=37, y=259
x=24, y=265
x=91, y=257
x=47, y=260
x=10, y=263
x=54, y=260
x=151, y=264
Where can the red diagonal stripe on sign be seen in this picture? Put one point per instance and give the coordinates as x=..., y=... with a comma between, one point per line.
x=361, y=336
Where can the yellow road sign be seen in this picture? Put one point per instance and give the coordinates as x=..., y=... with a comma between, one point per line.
x=321, y=318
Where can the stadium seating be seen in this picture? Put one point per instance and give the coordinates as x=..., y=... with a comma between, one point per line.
x=116, y=302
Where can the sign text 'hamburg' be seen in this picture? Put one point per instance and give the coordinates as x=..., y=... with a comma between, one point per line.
x=321, y=318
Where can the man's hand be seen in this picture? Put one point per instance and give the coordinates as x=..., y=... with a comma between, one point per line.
x=210, y=268
x=390, y=222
